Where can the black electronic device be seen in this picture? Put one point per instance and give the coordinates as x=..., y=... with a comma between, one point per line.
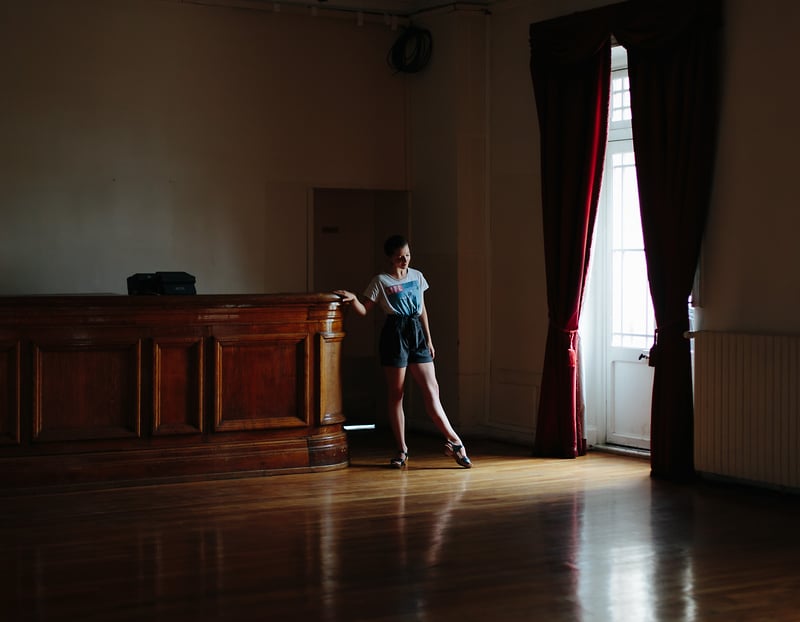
x=142, y=284
x=175, y=283
x=161, y=283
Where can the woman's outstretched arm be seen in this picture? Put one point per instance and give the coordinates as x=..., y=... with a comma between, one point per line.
x=349, y=298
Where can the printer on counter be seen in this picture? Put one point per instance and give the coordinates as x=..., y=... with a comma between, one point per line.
x=161, y=284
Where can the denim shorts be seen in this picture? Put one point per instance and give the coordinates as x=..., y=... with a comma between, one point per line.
x=403, y=342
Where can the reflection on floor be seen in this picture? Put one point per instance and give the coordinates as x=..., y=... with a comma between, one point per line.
x=514, y=538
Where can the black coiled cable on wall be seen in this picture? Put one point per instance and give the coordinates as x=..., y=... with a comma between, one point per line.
x=412, y=50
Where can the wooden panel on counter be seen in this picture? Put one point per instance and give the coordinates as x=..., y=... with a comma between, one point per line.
x=277, y=397
x=178, y=385
x=86, y=388
x=9, y=392
x=120, y=389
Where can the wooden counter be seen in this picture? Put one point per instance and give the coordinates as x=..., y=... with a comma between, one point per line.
x=121, y=389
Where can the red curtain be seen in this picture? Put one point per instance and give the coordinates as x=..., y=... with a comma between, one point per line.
x=571, y=77
x=673, y=60
x=673, y=68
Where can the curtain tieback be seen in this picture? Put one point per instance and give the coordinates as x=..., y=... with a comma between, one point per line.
x=573, y=342
x=676, y=327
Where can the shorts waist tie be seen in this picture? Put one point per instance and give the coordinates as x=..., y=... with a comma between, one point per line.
x=402, y=319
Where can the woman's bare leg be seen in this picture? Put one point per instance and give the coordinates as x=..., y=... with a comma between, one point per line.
x=395, y=380
x=425, y=376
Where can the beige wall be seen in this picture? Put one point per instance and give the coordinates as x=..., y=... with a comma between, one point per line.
x=448, y=183
x=749, y=280
x=143, y=135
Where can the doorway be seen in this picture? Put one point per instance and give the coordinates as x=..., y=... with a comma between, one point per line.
x=618, y=324
x=618, y=321
x=349, y=227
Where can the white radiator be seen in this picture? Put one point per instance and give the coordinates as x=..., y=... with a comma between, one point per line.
x=747, y=407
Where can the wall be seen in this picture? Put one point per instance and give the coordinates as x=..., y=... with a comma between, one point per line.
x=450, y=239
x=748, y=280
x=433, y=135
x=144, y=135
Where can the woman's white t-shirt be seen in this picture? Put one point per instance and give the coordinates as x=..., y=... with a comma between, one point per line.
x=398, y=296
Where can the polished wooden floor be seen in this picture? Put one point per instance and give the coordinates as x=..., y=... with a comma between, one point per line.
x=514, y=538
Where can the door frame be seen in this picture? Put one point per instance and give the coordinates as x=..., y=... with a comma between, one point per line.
x=391, y=214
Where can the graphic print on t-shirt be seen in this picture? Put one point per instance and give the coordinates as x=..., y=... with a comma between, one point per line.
x=403, y=297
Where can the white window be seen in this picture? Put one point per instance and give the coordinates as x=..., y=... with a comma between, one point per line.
x=632, y=317
x=620, y=104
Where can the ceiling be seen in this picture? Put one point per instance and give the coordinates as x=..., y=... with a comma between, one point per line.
x=400, y=8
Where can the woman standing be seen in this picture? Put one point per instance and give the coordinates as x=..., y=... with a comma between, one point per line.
x=406, y=343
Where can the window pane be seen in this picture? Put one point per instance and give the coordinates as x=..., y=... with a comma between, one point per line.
x=620, y=108
x=632, y=317
x=627, y=227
